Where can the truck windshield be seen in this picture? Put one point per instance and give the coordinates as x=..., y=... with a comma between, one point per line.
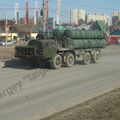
x=49, y=44
x=35, y=44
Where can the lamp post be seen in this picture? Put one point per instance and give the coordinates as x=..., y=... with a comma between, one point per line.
x=6, y=28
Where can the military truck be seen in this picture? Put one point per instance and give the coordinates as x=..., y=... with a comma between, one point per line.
x=64, y=48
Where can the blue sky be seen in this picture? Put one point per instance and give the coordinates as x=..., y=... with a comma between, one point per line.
x=90, y=6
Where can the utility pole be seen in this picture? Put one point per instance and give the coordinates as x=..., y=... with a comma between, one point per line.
x=47, y=14
x=27, y=19
x=27, y=12
x=44, y=16
x=6, y=29
x=36, y=12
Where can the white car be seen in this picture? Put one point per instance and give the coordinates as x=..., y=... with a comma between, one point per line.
x=7, y=43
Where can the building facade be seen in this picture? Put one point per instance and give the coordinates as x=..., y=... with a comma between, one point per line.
x=9, y=36
x=76, y=15
x=116, y=17
x=95, y=17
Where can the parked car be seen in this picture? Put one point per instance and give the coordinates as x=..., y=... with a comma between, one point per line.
x=8, y=43
x=1, y=42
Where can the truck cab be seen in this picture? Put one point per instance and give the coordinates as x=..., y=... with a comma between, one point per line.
x=37, y=49
x=46, y=48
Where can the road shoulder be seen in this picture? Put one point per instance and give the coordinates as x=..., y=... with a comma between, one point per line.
x=104, y=107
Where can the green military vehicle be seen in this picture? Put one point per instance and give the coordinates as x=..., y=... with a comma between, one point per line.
x=63, y=48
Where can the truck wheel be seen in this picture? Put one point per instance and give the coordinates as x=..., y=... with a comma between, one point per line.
x=56, y=62
x=87, y=58
x=96, y=57
x=70, y=60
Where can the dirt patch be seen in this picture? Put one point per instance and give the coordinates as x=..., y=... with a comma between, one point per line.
x=105, y=107
x=6, y=52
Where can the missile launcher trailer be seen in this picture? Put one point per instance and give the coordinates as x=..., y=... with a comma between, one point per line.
x=63, y=48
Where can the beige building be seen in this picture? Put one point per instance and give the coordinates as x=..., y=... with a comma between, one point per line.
x=76, y=15
x=116, y=17
x=117, y=13
x=9, y=36
x=101, y=17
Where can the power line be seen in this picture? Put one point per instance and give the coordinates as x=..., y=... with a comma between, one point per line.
x=86, y=6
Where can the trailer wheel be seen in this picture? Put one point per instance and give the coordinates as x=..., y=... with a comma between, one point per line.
x=70, y=60
x=96, y=57
x=56, y=62
x=87, y=58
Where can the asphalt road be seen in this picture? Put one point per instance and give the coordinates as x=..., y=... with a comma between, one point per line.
x=30, y=94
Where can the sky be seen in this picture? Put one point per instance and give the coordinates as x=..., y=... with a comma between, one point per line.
x=90, y=6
